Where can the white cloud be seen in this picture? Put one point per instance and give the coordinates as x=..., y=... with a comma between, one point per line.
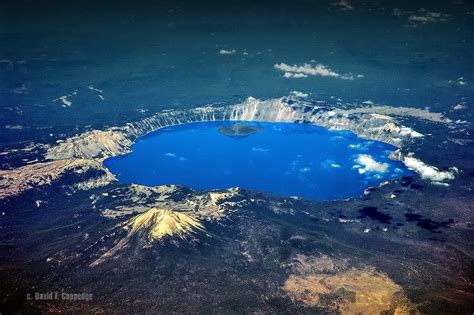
x=295, y=75
x=461, y=81
x=262, y=150
x=64, y=99
x=406, y=131
x=459, y=106
x=66, y=102
x=299, y=94
x=92, y=88
x=305, y=169
x=368, y=164
x=343, y=5
x=170, y=154
x=227, y=52
x=308, y=69
x=428, y=172
x=305, y=70
x=14, y=127
x=440, y=184
x=100, y=92
x=330, y=164
x=428, y=17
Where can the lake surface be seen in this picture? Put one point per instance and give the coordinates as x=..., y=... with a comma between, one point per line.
x=282, y=158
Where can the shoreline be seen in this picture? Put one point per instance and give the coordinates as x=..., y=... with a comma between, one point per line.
x=93, y=147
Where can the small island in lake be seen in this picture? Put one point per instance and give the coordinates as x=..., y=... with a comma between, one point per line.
x=239, y=129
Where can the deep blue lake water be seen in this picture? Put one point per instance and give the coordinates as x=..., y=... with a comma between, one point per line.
x=282, y=158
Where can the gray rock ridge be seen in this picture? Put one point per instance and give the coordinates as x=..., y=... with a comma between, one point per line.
x=88, y=150
x=99, y=144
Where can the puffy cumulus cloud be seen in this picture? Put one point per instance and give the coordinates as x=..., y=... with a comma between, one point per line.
x=368, y=164
x=227, y=52
x=305, y=70
x=299, y=94
x=295, y=75
x=406, y=131
x=64, y=99
x=66, y=102
x=428, y=172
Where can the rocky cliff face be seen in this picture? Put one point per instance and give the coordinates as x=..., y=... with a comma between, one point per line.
x=365, y=124
x=97, y=145
x=116, y=141
x=16, y=181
